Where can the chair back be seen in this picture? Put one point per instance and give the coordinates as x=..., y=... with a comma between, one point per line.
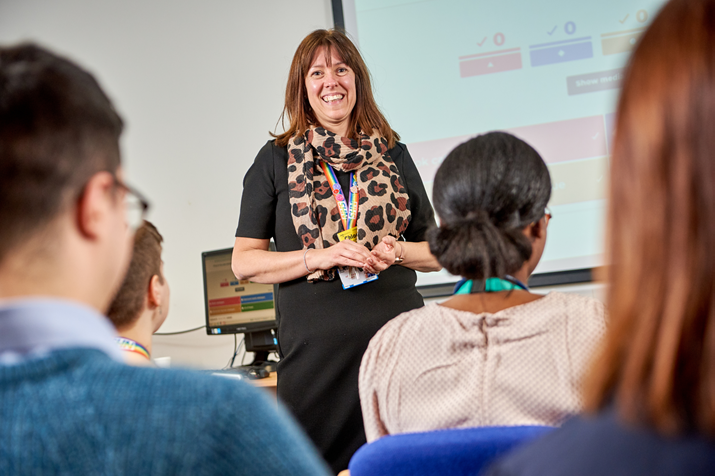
x=457, y=452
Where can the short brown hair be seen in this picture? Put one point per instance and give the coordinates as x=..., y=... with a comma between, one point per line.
x=145, y=264
x=658, y=362
x=57, y=129
x=366, y=115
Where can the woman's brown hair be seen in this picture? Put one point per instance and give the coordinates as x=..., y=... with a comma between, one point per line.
x=366, y=116
x=658, y=361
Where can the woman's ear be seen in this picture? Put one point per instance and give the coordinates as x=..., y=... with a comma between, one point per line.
x=532, y=231
x=538, y=229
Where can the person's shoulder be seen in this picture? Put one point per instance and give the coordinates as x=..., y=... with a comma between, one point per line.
x=585, y=317
x=417, y=317
x=600, y=444
x=572, y=297
x=184, y=387
x=268, y=160
x=271, y=151
x=398, y=151
x=578, y=304
x=198, y=414
x=551, y=453
x=399, y=147
x=161, y=394
x=189, y=399
x=409, y=323
x=271, y=145
x=397, y=340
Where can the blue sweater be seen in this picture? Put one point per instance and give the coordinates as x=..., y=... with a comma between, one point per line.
x=77, y=411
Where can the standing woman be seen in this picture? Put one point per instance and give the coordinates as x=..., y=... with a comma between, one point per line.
x=336, y=190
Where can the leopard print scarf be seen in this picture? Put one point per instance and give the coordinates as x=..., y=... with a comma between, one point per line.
x=383, y=206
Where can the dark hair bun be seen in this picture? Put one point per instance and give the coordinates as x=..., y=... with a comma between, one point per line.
x=486, y=192
x=477, y=248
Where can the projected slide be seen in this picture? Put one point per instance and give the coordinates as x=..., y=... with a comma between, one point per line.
x=548, y=71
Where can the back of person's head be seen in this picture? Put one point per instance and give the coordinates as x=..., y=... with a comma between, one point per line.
x=146, y=263
x=486, y=192
x=658, y=363
x=57, y=129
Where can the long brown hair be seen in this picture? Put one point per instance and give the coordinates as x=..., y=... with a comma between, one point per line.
x=366, y=116
x=658, y=361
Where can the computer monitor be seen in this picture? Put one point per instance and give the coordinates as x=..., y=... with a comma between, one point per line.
x=239, y=306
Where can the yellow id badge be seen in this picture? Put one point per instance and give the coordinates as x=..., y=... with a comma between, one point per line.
x=350, y=234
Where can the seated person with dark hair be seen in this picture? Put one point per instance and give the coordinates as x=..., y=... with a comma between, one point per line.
x=495, y=353
x=68, y=402
x=142, y=303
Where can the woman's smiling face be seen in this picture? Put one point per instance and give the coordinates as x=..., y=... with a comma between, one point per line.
x=331, y=91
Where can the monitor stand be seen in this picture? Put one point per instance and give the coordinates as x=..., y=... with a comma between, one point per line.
x=259, y=357
x=261, y=343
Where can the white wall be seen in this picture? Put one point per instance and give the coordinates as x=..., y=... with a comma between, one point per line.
x=199, y=84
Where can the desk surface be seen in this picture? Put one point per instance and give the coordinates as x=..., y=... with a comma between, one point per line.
x=270, y=381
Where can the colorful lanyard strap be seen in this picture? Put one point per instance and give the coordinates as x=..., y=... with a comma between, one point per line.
x=129, y=345
x=492, y=285
x=347, y=215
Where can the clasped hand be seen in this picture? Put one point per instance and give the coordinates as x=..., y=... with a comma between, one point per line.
x=383, y=255
x=349, y=253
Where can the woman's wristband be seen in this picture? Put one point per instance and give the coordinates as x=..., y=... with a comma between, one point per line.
x=401, y=258
x=305, y=262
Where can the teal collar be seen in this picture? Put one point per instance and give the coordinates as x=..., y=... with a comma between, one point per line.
x=491, y=285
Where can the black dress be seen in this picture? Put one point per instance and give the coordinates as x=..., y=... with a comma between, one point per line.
x=324, y=330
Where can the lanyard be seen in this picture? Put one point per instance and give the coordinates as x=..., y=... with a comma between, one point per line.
x=517, y=282
x=347, y=216
x=129, y=345
x=491, y=285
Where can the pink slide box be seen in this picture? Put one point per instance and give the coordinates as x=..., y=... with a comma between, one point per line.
x=224, y=301
x=556, y=142
x=566, y=140
x=490, y=64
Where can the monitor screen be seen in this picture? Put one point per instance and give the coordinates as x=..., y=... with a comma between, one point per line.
x=235, y=305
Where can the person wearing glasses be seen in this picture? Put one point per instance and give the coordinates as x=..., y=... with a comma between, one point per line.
x=495, y=353
x=69, y=404
x=142, y=303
